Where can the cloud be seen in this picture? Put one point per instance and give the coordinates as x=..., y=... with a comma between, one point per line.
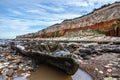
x=78, y=3
x=15, y=12
x=23, y=25
x=50, y=7
x=100, y=2
x=34, y=11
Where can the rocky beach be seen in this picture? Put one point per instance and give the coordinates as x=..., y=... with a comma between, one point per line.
x=100, y=60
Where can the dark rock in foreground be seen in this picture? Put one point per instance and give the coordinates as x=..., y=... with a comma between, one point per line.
x=66, y=64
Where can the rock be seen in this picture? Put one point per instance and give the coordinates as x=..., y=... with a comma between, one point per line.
x=18, y=61
x=27, y=75
x=67, y=65
x=83, y=55
x=108, y=78
x=116, y=50
x=91, y=45
x=86, y=58
x=107, y=74
x=75, y=56
x=109, y=70
x=92, y=58
x=30, y=69
x=72, y=46
x=118, y=59
x=115, y=63
x=2, y=60
x=108, y=66
x=59, y=61
x=19, y=72
x=76, y=52
x=115, y=75
x=107, y=50
x=6, y=64
x=79, y=61
x=10, y=58
x=118, y=66
x=111, y=50
x=93, y=51
x=14, y=66
x=93, y=55
x=10, y=72
x=101, y=72
x=85, y=50
x=1, y=66
x=53, y=46
x=96, y=69
x=61, y=53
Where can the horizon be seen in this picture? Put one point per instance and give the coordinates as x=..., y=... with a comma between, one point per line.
x=28, y=16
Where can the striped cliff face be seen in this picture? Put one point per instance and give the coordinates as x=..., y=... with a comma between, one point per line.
x=100, y=19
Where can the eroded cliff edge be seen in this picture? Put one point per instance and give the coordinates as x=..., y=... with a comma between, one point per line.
x=104, y=20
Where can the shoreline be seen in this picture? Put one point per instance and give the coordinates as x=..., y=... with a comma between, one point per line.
x=75, y=39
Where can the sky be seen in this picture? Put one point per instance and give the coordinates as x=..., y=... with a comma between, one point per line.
x=18, y=17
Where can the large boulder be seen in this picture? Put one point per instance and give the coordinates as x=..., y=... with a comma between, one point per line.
x=66, y=64
x=60, y=60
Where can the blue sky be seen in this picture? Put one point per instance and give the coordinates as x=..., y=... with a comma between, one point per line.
x=19, y=17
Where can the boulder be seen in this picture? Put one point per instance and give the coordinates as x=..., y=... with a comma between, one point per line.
x=86, y=58
x=64, y=63
x=83, y=54
x=111, y=50
x=85, y=50
x=96, y=52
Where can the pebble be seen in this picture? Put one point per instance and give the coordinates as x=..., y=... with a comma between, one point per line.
x=109, y=70
x=101, y=72
x=9, y=72
x=80, y=61
x=11, y=64
x=10, y=58
x=74, y=56
x=26, y=74
x=96, y=69
x=118, y=65
x=20, y=71
x=108, y=66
